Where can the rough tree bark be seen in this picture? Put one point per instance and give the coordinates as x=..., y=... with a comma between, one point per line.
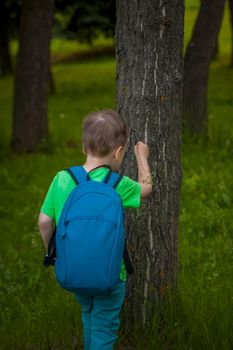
x=149, y=44
x=197, y=59
x=31, y=81
x=5, y=59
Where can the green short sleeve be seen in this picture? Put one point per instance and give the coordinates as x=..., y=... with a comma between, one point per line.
x=58, y=192
x=48, y=207
x=130, y=192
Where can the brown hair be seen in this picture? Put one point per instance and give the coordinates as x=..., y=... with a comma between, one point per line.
x=103, y=131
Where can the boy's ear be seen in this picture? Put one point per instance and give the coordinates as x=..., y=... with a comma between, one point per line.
x=118, y=151
x=84, y=151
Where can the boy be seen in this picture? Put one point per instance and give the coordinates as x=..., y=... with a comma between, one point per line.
x=104, y=139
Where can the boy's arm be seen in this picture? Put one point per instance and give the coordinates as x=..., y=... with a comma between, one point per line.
x=141, y=151
x=46, y=226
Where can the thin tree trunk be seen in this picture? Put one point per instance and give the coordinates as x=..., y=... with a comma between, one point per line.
x=197, y=59
x=31, y=81
x=5, y=59
x=215, y=52
x=51, y=82
x=149, y=44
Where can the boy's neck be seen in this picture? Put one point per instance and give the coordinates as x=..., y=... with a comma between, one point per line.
x=93, y=162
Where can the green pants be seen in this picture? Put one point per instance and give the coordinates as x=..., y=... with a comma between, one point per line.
x=100, y=316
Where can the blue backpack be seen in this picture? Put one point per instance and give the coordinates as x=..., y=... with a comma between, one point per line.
x=89, y=237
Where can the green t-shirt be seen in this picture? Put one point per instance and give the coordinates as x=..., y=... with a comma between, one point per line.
x=62, y=185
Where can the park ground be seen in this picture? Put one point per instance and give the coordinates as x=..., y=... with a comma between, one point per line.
x=35, y=312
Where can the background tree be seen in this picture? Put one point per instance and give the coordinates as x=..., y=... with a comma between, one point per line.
x=197, y=59
x=31, y=81
x=149, y=44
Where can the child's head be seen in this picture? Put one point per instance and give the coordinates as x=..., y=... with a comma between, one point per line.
x=104, y=135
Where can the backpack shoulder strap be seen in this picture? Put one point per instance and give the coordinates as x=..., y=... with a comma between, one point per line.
x=114, y=180
x=78, y=174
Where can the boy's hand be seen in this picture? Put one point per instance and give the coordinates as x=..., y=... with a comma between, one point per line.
x=141, y=150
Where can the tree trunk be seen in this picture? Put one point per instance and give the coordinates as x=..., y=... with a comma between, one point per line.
x=197, y=59
x=149, y=44
x=51, y=83
x=231, y=19
x=31, y=81
x=5, y=59
x=215, y=52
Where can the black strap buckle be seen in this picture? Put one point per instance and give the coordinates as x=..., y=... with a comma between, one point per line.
x=127, y=261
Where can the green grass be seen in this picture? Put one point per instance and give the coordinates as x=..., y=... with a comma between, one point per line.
x=62, y=48
x=35, y=312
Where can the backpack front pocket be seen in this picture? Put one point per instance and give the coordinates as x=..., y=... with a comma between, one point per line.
x=88, y=246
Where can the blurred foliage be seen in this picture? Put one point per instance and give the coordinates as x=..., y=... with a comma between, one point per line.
x=85, y=20
x=12, y=15
x=80, y=20
x=73, y=19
